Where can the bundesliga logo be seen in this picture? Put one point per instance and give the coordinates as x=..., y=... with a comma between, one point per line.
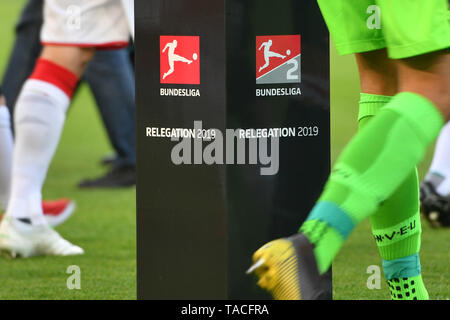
x=278, y=59
x=180, y=59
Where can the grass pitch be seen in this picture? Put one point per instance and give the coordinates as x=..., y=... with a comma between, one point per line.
x=104, y=223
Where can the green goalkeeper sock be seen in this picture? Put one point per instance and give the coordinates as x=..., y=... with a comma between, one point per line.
x=372, y=166
x=401, y=211
x=396, y=224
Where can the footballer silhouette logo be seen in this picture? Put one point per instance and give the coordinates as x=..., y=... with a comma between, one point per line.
x=278, y=59
x=180, y=59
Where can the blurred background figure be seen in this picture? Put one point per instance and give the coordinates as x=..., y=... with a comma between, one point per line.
x=71, y=34
x=435, y=189
x=115, y=97
x=105, y=223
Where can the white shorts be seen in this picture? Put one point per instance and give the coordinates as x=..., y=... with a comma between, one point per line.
x=85, y=23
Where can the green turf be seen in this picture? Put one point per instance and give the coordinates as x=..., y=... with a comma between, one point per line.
x=103, y=224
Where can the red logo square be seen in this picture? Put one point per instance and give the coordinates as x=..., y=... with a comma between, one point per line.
x=180, y=59
x=278, y=59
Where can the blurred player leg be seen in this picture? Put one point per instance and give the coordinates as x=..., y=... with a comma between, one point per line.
x=55, y=212
x=435, y=189
x=6, y=150
x=115, y=100
x=384, y=153
x=39, y=119
x=401, y=210
x=25, y=52
x=439, y=172
x=40, y=115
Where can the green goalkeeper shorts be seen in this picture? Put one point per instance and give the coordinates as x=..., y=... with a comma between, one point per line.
x=406, y=28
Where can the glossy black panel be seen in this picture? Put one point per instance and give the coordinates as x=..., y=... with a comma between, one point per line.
x=199, y=224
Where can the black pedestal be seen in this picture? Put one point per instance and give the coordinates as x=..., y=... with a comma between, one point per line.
x=252, y=73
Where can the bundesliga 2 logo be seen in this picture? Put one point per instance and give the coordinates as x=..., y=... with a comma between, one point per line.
x=278, y=59
x=180, y=59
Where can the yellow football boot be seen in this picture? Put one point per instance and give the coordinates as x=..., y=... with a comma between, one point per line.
x=287, y=268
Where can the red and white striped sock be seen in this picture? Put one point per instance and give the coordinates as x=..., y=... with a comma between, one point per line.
x=39, y=119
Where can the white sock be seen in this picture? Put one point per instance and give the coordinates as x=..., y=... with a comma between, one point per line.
x=39, y=120
x=6, y=151
x=440, y=166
